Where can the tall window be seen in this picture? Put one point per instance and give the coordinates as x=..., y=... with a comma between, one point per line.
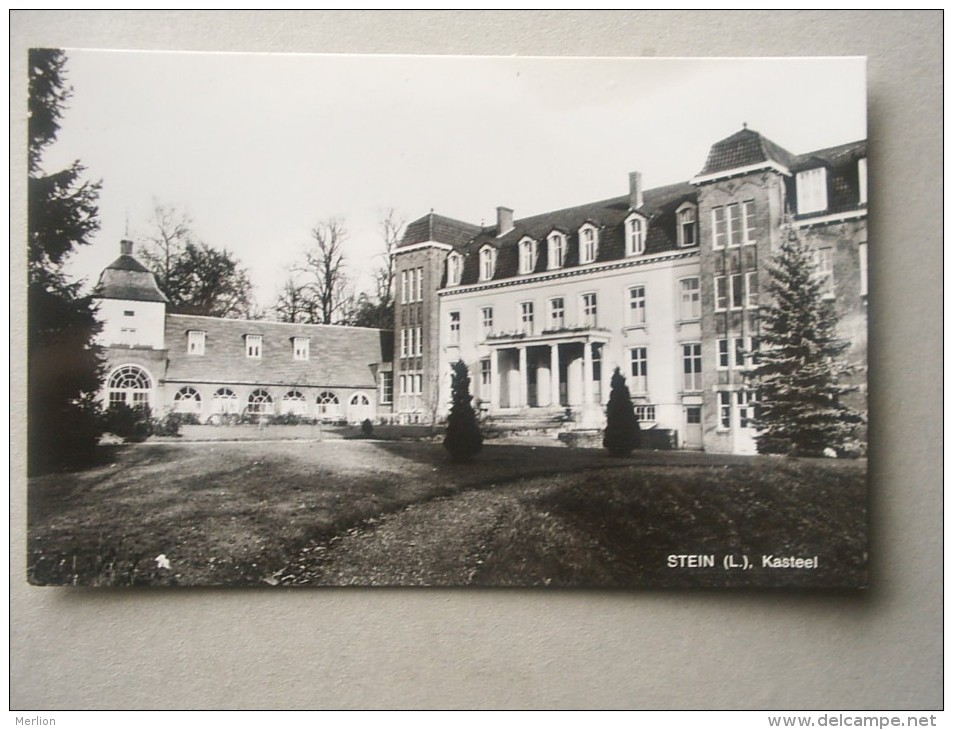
x=527, y=256
x=736, y=352
x=690, y=306
x=589, y=244
x=329, y=407
x=589, y=310
x=862, y=254
x=196, y=343
x=486, y=321
x=724, y=409
x=454, y=328
x=253, y=346
x=747, y=401
x=692, y=366
x=419, y=292
x=302, y=348
x=404, y=342
x=635, y=235
x=686, y=226
x=721, y=292
x=419, y=337
x=636, y=306
x=824, y=267
x=751, y=231
x=862, y=180
x=751, y=289
x=404, y=286
x=527, y=316
x=487, y=263
x=387, y=388
x=130, y=385
x=187, y=400
x=557, y=251
x=812, y=190
x=557, y=313
x=638, y=357
x=294, y=402
x=260, y=403
x=730, y=291
x=454, y=269
x=224, y=400
x=486, y=378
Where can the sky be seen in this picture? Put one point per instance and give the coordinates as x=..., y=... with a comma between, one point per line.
x=260, y=148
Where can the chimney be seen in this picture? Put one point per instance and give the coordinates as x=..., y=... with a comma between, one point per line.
x=504, y=220
x=635, y=189
x=125, y=247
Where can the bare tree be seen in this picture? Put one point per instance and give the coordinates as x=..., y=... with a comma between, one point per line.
x=170, y=231
x=294, y=304
x=392, y=230
x=325, y=267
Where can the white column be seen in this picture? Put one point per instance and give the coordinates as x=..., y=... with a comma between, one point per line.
x=605, y=375
x=524, y=379
x=586, y=373
x=494, y=380
x=554, y=374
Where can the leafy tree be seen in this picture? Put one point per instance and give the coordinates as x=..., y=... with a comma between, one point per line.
x=799, y=363
x=622, y=426
x=463, y=439
x=65, y=367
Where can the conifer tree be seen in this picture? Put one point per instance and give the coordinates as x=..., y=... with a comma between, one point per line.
x=463, y=439
x=622, y=426
x=799, y=362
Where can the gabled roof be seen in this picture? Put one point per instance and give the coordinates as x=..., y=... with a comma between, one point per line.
x=126, y=278
x=433, y=227
x=744, y=149
x=339, y=356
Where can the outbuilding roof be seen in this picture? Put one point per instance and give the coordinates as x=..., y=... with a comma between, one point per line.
x=126, y=278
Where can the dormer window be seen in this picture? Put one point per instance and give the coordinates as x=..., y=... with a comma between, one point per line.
x=862, y=180
x=635, y=235
x=487, y=263
x=588, y=244
x=687, y=232
x=812, y=190
x=253, y=346
x=454, y=269
x=196, y=342
x=527, y=256
x=557, y=250
x=301, y=348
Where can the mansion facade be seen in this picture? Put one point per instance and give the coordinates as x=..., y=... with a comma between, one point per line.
x=663, y=283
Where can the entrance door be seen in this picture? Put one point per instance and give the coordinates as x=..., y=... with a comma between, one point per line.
x=532, y=399
x=693, y=427
x=745, y=431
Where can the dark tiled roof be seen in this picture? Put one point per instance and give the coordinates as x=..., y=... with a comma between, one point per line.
x=843, y=183
x=659, y=206
x=743, y=149
x=126, y=278
x=339, y=356
x=433, y=227
x=831, y=156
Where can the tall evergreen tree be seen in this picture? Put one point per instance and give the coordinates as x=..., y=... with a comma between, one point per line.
x=799, y=362
x=622, y=426
x=463, y=439
x=65, y=366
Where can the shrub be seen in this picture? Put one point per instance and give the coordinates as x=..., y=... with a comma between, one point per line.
x=170, y=425
x=367, y=428
x=622, y=425
x=130, y=424
x=463, y=439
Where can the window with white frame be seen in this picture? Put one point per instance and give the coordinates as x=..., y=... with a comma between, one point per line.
x=329, y=407
x=730, y=291
x=727, y=226
x=557, y=313
x=260, y=403
x=588, y=244
x=454, y=328
x=736, y=352
x=751, y=289
x=527, y=318
x=486, y=378
x=635, y=235
x=692, y=366
x=302, y=348
x=687, y=231
x=454, y=269
x=253, y=346
x=404, y=342
x=187, y=400
x=724, y=409
x=404, y=286
x=295, y=403
x=419, y=350
x=636, y=306
x=590, y=312
x=420, y=285
x=224, y=400
x=639, y=369
x=750, y=224
x=747, y=401
x=862, y=180
x=812, y=190
x=690, y=299
x=196, y=342
x=862, y=254
x=486, y=321
x=645, y=412
x=557, y=251
x=824, y=270
x=527, y=256
x=487, y=263
x=386, y=388
x=721, y=293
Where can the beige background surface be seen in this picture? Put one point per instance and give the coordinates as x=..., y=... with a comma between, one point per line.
x=332, y=648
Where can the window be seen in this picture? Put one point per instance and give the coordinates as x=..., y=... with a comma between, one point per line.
x=487, y=263
x=127, y=335
x=635, y=235
x=639, y=370
x=196, y=342
x=747, y=407
x=527, y=256
x=329, y=407
x=589, y=310
x=454, y=328
x=387, y=388
x=294, y=402
x=557, y=313
x=557, y=250
x=187, y=400
x=721, y=293
x=588, y=244
x=419, y=291
x=404, y=342
x=253, y=346
x=260, y=403
x=812, y=190
x=727, y=225
x=692, y=366
x=527, y=316
x=129, y=313
x=486, y=321
x=724, y=409
x=862, y=180
x=737, y=291
x=419, y=337
x=636, y=306
x=645, y=413
x=690, y=305
x=751, y=232
x=723, y=354
x=301, y=347
x=486, y=378
x=404, y=286
x=686, y=225
x=862, y=253
x=454, y=269
x=824, y=270
x=224, y=400
x=738, y=352
x=131, y=386
x=751, y=289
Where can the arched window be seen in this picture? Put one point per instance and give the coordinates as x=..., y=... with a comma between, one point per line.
x=130, y=385
x=224, y=400
x=686, y=225
x=260, y=402
x=328, y=405
x=359, y=408
x=557, y=250
x=588, y=244
x=294, y=402
x=187, y=400
x=454, y=269
x=635, y=235
x=527, y=256
x=487, y=263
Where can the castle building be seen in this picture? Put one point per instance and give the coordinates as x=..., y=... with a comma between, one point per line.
x=214, y=367
x=662, y=283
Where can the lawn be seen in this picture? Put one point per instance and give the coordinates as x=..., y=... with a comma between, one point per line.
x=238, y=513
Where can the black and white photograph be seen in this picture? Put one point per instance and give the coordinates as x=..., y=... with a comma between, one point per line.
x=305, y=320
